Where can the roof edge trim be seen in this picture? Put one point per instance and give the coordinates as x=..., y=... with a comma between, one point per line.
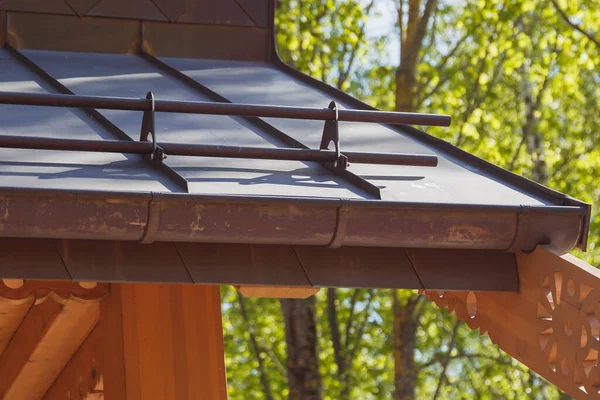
x=502, y=175
x=294, y=220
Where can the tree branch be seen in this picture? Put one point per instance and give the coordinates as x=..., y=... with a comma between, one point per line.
x=401, y=22
x=439, y=67
x=350, y=321
x=469, y=357
x=252, y=331
x=276, y=360
x=471, y=100
x=335, y=332
x=573, y=25
x=446, y=361
x=361, y=34
x=537, y=103
x=360, y=330
x=475, y=100
x=424, y=21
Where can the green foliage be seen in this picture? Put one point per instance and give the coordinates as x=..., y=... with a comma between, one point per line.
x=520, y=80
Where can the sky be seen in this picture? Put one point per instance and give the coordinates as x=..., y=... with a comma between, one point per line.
x=382, y=23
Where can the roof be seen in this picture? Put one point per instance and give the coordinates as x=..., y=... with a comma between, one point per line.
x=463, y=202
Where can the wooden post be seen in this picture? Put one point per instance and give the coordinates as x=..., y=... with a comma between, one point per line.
x=162, y=341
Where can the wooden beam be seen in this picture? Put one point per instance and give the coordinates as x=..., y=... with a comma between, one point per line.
x=277, y=292
x=163, y=342
x=11, y=316
x=552, y=324
x=82, y=378
x=42, y=346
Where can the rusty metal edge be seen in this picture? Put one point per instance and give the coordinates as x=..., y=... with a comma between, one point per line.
x=493, y=171
x=75, y=204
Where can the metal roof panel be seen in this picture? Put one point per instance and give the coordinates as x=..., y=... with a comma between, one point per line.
x=132, y=76
x=62, y=169
x=452, y=181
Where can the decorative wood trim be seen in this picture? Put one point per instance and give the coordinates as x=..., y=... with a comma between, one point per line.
x=11, y=317
x=18, y=291
x=44, y=343
x=552, y=324
x=82, y=378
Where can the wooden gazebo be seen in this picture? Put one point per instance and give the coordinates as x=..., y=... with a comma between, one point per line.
x=151, y=150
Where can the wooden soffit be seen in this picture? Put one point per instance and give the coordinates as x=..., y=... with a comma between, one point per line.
x=258, y=265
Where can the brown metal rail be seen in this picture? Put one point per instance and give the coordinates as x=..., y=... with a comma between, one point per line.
x=201, y=150
x=158, y=151
x=218, y=108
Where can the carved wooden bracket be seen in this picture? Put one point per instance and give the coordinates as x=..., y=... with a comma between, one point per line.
x=552, y=324
x=19, y=291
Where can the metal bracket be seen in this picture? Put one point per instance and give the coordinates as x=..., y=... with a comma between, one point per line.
x=148, y=128
x=331, y=133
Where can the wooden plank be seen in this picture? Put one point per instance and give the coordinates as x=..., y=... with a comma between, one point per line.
x=204, y=12
x=11, y=317
x=258, y=10
x=550, y=325
x=24, y=341
x=277, y=292
x=71, y=33
x=385, y=267
x=206, y=41
x=201, y=322
x=18, y=261
x=231, y=264
x=47, y=6
x=110, y=261
x=111, y=329
x=458, y=269
x=46, y=340
x=82, y=377
x=135, y=9
x=168, y=341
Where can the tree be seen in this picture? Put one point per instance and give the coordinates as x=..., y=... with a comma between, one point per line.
x=520, y=81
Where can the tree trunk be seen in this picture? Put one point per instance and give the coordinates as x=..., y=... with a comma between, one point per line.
x=405, y=329
x=534, y=139
x=405, y=88
x=413, y=29
x=304, y=378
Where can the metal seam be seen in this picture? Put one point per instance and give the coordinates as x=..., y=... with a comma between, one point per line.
x=94, y=114
x=184, y=263
x=153, y=219
x=302, y=266
x=412, y=264
x=341, y=226
x=260, y=123
x=523, y=220
x=64, y=262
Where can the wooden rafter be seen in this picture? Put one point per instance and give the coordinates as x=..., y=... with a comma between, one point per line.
x=82, y=378
x=552, y=324
x=11, y=316
x=39, y=337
